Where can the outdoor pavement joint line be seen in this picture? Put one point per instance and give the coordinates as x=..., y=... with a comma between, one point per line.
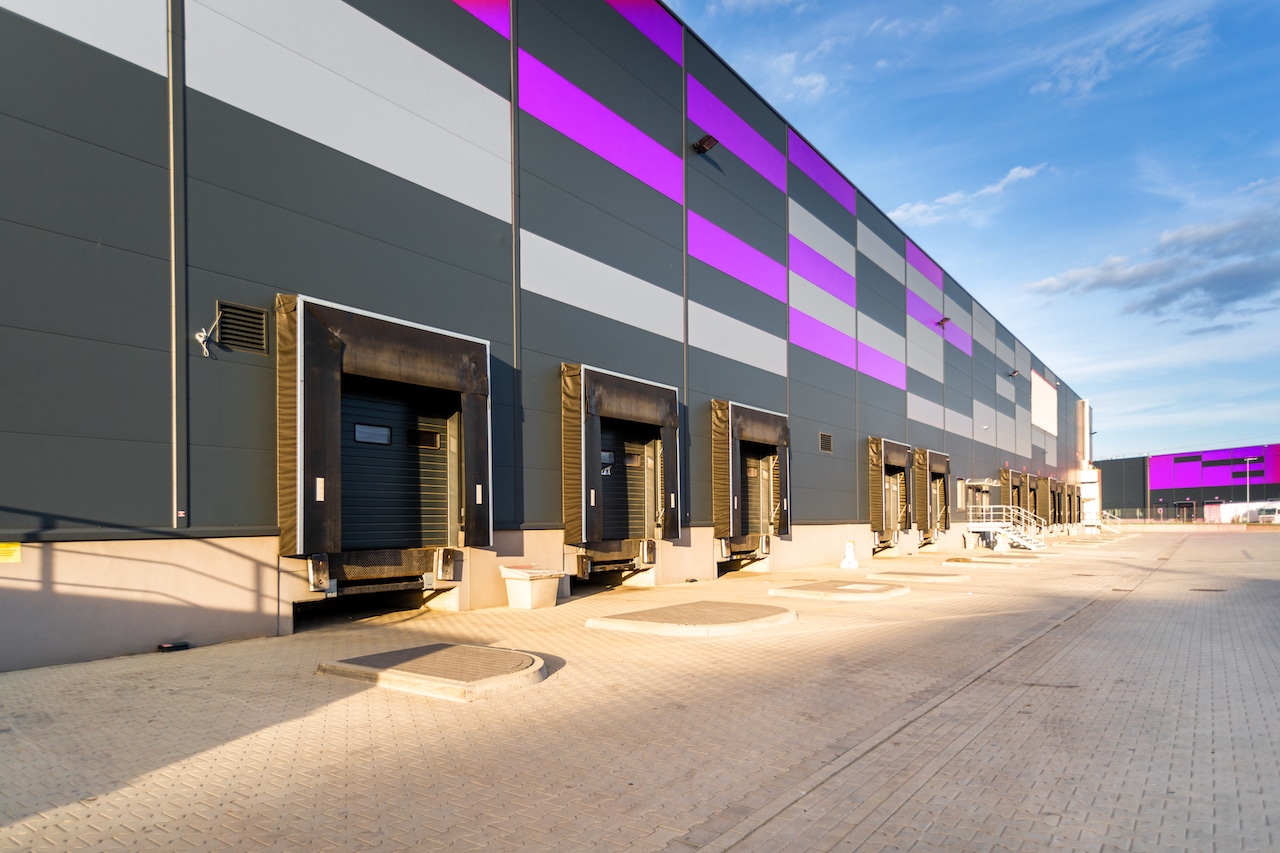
x=742, y=831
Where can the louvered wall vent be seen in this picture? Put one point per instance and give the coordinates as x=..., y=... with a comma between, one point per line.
x=824, y=442
x=241, y=327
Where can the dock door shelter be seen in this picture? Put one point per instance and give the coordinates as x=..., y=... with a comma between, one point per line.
x=750, y=478
x=888, y=491
x=931, y=470
x=1012, y=488
x=382, y=445
x=621, y=468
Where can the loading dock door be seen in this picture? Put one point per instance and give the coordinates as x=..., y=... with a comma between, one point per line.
x=750, y=473
x=887, y=490
x=399, y=476
x=596, y=407
x=628, y=478
x=1011, y=488
x=930, y=470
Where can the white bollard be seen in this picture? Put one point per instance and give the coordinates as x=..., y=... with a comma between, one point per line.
x=850, y=561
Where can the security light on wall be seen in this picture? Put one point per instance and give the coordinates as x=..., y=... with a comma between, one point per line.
x=943, y=322
x=1014, y=373
x=705, y=144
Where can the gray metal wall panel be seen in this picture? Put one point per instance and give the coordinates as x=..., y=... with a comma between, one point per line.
x=739, y=201
x=288, y=252
x=589, y=45
x=802, y=189
x=926, y=436
x=697, y=461
x=233, y=405
x=924, y=386
x=730, y=380
x=960, y=449
x=61, y=482
x=724, y=293
x=871, y=216
x=82, y=92
x=229, y=148
x=119, y=200
x=232, y=486
x=879, y=301
x=959, y=366
x=703, y=66
x=875, y=421
x=119, y=296
x=821, y=373
x=564, y=219
x=879, y=395
x=450, y=33
x=984, y=363
x=960, y=403
x=1006, y=407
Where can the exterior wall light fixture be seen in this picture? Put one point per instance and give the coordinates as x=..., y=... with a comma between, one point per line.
x=705, y=144
x=943, y=322
x=1014, y=373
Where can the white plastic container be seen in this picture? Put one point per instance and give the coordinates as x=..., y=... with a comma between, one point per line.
x=530, y=586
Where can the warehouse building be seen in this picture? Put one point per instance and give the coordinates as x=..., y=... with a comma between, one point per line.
x=305, y=299
x=1224, y=485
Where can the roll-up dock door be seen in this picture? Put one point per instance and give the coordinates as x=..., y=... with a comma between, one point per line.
x=1030, y=492
x=887, y=488
x=931, y=471
x=620, y=456
x=1043, y=507
x=1012, y=492
x=750, y=477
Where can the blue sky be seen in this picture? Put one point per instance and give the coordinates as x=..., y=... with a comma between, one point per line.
x=1103, y=176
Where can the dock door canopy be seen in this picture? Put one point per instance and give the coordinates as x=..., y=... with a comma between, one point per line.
x=931, y=471
x=1012, y=490
x=621, y=470
x=382, y=433
x=750, y=471
x=887, y=490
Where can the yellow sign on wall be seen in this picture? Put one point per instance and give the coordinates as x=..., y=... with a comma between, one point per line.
x=10, y=552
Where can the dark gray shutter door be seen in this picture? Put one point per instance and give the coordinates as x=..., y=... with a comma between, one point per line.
x=875, y=484
x=722, y=453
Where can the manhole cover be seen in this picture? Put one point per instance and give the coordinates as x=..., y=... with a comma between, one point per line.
x=697, y=618
x=456, y=672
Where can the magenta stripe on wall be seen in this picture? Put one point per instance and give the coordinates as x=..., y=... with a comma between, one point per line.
x=712, y=245
x=547, y=96
x=813, y=266
x=816, y=336
x=958, y=338
x=707, y=111
x=877, y=365
x=823, y=174
x=924, y=312
x=495, y=13
x=924, y=264
x=656, y=23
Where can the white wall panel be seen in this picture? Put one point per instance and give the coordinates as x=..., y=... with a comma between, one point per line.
x=879, y=338
x=961, y=425
x=558, y=273
x=1006, y=434
x=985, y=424
x=959, y=315
x=925, y=289
x=807, y=297
x=137, y=31
x=723, y=335
x=926, y=358
x=925, y=411
x=1004, y=387
x=815, y=234
x=334, y=75
x=882, y=254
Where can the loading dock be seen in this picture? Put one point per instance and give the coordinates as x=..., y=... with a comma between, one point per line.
x=620, y=468
x=382, y=448
x=930, y=471
x=750, y=479
x=888, y=490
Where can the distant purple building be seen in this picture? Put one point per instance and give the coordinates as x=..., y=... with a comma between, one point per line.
x=1182, y=485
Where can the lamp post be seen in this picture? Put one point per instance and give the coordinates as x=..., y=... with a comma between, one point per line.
x=1247, y=460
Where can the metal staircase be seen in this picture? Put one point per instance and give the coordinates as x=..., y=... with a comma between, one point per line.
x=1021, y=527
x=1103, y=521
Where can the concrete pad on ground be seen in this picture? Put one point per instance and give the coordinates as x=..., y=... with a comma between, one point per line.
x=697, y=619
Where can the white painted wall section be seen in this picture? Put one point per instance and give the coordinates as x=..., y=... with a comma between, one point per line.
x=133, y=30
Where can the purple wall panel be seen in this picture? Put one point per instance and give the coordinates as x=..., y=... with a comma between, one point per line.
x=813, y=266
x=926, y=314
x=816, y=336
x=924, y=264
x=547, y=96
x=494, y=13
x=876, y=364
x=1160, y=472
x=1165, y=473
x=823, y=174
x=707, y=111
x=712, y=245
x=958, y=338
x=656, y=23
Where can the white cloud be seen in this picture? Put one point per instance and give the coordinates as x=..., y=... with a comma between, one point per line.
x=901, y=27
x=961, y=206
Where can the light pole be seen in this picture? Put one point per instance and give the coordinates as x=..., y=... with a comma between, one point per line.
x=1247, y=460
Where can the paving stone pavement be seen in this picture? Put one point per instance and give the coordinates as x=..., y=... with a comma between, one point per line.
x=1092, y=702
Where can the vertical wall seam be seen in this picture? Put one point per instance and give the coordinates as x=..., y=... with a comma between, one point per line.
x=180, y=460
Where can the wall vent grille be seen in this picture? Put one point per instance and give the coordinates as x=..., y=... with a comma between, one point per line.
x=824, y=442
x=241, y=327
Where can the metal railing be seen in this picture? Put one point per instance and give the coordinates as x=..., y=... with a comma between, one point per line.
x=1000, y=515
